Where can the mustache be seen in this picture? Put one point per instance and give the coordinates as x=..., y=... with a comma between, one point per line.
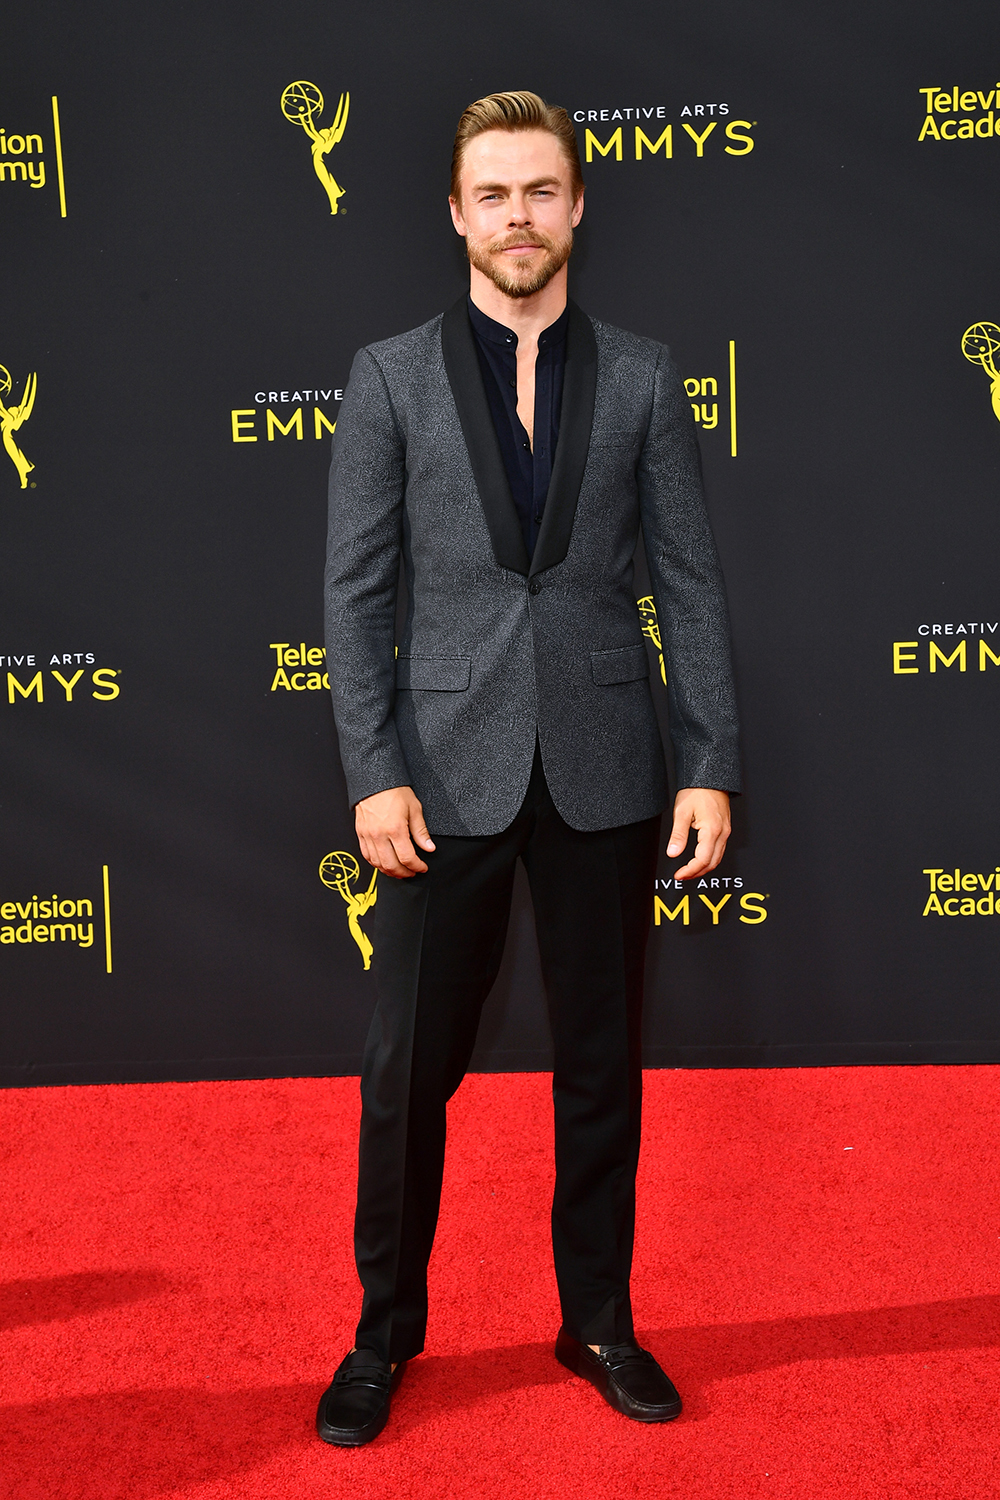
x=516, y=241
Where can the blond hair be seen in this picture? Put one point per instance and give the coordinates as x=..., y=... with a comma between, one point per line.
x=514, y=112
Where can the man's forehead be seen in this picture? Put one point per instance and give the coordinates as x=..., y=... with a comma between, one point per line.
x=507, y=155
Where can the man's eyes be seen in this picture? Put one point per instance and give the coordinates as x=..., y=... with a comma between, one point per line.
x=535, y=193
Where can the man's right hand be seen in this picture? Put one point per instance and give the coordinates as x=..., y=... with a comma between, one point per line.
x=388, y=825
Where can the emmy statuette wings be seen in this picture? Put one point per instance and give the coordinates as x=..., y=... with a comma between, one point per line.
x=339, y=871
x=12, y=417
x=301, y=103
x=981, y=345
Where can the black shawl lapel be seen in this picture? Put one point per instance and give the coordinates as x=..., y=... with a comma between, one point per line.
x=461, y=363
x=575, y=422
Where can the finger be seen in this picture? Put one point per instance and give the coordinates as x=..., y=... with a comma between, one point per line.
x=720, y=848
x=406, y=854
x=706, y=855
x=386, y=860
x=679, y=834
x=421, y=836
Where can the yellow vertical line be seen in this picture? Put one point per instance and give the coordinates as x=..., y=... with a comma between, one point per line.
x=107, y=919
x=732, y=397
x=59, y=165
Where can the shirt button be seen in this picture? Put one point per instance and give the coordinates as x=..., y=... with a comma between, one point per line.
x=534, y=587
x=526, y=445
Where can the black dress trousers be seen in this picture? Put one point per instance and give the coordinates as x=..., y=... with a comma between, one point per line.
x=439, y=938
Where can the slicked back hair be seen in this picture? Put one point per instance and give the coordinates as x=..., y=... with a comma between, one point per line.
x=514, y=112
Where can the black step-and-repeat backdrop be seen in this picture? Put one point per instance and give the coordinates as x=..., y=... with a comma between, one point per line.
x=206, y=209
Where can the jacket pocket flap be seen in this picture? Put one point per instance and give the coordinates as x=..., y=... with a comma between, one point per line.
x=442, y=674
x=627, y=664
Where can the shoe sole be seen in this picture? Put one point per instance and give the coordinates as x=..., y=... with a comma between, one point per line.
x=616, y=1398
x=351, y=1437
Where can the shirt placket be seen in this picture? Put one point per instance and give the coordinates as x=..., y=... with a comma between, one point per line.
x=541, y=458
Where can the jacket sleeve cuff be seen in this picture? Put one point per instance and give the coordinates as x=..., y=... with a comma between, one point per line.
x=381, y=773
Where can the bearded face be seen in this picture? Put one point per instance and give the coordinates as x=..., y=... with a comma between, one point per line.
x=517, y=208
x=524, y=274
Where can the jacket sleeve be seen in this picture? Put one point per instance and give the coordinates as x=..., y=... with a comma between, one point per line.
x=367, y=480
x=689, y=592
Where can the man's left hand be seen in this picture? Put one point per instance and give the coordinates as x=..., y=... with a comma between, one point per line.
x=708, y=811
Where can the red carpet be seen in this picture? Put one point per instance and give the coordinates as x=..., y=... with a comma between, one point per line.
x=178, y=1288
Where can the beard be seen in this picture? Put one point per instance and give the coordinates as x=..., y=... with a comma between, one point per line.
x=520, y=278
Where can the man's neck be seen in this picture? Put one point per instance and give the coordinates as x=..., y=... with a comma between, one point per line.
x=525, y=316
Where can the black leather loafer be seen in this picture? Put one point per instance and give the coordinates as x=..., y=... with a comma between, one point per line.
x=355, y=1406
x=627, y=1377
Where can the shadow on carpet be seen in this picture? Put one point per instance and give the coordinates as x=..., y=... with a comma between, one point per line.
x=140, y=1443
x=54, y=1299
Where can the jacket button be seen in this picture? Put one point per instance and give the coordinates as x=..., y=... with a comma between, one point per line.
x=534, y=587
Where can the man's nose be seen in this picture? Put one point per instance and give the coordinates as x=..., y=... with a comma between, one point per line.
x=520, y=214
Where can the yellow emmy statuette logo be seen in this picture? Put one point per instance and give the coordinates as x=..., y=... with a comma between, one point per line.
x=13, y=417
x=981, y=344
x=339, y=871
x=300, y=103
x=651, y=627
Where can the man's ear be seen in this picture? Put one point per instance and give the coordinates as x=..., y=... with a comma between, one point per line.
x=456, y=216
x=577, y=210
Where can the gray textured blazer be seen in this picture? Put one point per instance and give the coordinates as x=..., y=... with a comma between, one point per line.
x=494, y=650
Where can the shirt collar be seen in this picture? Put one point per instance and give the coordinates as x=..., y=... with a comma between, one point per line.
x=496, y=333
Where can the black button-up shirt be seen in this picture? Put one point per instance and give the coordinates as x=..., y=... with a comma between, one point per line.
x=528, y=469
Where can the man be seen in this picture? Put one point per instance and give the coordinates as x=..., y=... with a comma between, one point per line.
x=508, y=453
